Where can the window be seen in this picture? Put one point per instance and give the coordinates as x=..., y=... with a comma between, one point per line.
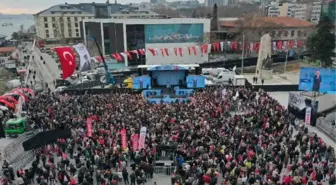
x=54, y=25
x=70, y=34
x=47, y=35
x=47, y=31
x=76, y=24
x=77, y=34
x=279, y=33
x=53, y=19
x=76, y=19
x=77, y=30
x=292, y=33
x=45, y=19
x=69, y=25
x=68, y=19
x=273, y=33
x=285, y=33
x=305, y=33
x=299, y=33
x=46, y=25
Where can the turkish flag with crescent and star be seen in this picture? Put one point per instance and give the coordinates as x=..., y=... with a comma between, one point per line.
x=67, y=59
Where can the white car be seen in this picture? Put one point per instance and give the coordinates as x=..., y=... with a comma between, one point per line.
x=60, y=88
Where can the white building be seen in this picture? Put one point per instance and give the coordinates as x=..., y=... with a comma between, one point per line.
x=62, y=21
x=120, y=35
x=308, y=11
x=316, y=12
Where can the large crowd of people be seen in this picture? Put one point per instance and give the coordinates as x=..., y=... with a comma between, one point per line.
x=221, y=136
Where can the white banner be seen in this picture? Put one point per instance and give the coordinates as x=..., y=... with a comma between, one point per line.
x=308, y=115
x=296, y=100
x=84, y=56
x=142, y=138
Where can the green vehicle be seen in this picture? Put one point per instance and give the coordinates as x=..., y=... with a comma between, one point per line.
x=14, y=127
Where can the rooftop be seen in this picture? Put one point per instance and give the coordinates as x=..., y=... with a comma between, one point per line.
x=264, y=22
x=7, y=49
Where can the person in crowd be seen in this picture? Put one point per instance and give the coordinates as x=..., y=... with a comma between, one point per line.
x=241, y=137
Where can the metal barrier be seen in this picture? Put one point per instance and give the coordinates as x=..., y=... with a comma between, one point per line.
x=168, y=170
x=22, y=160
x=14, y=151
x=327, y=128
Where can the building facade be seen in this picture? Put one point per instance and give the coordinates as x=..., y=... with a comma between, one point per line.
x=279, y=28
x=62, y=21
x=211, y=3
x=122, y=35
x=309, y=11
x=316, y=12
x=329, y=10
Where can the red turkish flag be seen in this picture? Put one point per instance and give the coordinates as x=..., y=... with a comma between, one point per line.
x=180, y=51
x=67, y=59
x=152, y=50
x=167, y=52
x=256, y=46
x=175, y=51
x=162, y=51
x=129, y=55
x=194, y=50
x=291, y=43
x=189, y=50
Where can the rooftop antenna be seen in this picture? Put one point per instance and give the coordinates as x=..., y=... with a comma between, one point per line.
x=115, y=2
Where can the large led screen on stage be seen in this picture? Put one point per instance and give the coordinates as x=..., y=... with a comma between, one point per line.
x=173, y=33
x=321, y=80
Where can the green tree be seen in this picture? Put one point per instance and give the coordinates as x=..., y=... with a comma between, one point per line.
x=321, y=43
x=15, y=36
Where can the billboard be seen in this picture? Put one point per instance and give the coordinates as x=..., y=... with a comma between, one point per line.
x=173, y=33
x=317, y=79
x=195, y=81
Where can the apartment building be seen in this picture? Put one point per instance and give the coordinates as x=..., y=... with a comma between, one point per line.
x=62, y=21
x=308, y=11
x=211, y=3
x=316, y=12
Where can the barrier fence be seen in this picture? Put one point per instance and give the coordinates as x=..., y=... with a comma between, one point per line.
x=14, y=153
x=167, y=170
x=327, y=128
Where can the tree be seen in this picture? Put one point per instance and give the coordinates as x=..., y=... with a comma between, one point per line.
x=321, y=43
x=194, y=14
x=15, y=36
x=214, y=19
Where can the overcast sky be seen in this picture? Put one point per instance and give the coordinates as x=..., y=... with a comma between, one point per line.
x=34, y=6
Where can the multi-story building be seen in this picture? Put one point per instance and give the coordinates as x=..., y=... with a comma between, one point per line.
x=211, y=3
x=273, y=10
x=134, y=11
x=316, y=12
x=308, y=11
x=122, y=35
x=62, y=21
x=279, y=28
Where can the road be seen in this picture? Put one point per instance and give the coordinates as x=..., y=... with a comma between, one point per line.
x=46, y=73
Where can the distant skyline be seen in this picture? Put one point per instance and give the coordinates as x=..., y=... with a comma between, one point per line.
x=34, y=6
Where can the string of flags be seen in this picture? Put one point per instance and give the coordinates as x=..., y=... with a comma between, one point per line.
x=217, y=47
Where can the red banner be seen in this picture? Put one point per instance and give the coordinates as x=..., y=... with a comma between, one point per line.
x=135, y=142
x=123, y=138
x=67, y=59
x=89, y=126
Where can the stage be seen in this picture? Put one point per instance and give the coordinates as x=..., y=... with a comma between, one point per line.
x=168, y=83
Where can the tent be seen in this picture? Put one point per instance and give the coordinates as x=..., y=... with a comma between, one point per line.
x=23, y=95
x=23, y=90
x=9, y=98
x=7, y=103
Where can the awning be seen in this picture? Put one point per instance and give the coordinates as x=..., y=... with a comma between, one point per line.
x=9, y=98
